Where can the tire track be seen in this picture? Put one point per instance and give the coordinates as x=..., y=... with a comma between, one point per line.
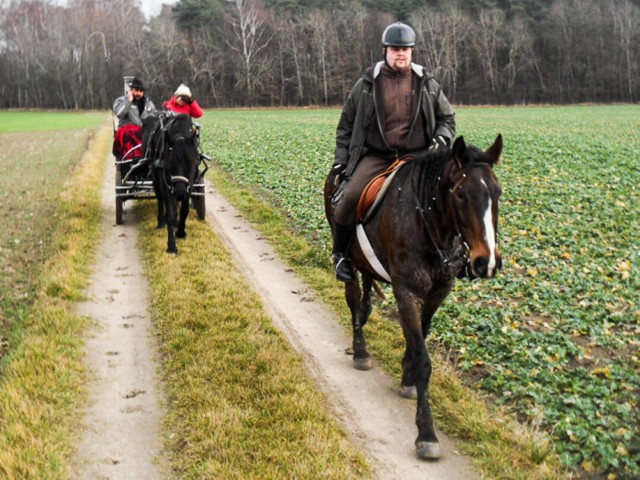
x=366, y=403
x=121, y=437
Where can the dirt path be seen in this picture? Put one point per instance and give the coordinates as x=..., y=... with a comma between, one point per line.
x=121, y=439
x=122, y=423
x=367, y=403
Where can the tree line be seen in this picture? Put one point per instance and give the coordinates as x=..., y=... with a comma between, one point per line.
x=310, y=52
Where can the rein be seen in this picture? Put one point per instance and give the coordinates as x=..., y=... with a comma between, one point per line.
x=446, y=255
x=444, y=259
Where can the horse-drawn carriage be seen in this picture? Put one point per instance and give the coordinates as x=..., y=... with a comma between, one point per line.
x=134, y=168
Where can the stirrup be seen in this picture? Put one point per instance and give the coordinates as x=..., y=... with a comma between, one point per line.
x=344, y=270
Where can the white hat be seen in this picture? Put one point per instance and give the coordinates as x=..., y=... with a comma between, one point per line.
x=182, y=91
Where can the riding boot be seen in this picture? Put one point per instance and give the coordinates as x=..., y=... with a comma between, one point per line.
x=343, y=265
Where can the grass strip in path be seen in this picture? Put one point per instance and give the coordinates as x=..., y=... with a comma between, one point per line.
x=42, y=378
x=240, y=403
x=499, y=446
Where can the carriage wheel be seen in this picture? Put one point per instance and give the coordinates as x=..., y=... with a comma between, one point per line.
x=199, y=203
x=119, y=200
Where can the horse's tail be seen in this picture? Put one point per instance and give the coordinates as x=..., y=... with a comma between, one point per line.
x=379, y=292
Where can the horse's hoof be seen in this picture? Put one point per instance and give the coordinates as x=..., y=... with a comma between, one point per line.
x=410, y=392
x=181, y=234
x=428, y=450
x=362, y=363
x=172, y=250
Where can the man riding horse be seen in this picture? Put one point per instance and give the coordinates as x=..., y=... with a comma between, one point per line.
x=440, y=209
x=395, y=109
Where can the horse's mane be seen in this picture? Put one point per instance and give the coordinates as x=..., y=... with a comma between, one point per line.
x=181, y=119
x=425, y=171
x=181, y=136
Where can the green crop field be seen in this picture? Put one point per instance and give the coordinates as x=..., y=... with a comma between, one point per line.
x=556, y=336
x=24, y=121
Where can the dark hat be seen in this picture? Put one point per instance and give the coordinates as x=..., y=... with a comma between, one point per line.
x=137, y=84
x=398, y=35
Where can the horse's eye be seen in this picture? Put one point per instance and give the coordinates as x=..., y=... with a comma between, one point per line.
x=460, y=193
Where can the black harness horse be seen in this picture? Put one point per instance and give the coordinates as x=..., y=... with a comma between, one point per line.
x=440, y=213
x=170, y=142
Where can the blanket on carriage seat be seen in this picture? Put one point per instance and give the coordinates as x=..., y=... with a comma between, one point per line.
x=127, y=137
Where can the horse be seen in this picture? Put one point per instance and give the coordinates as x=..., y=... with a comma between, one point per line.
x=438, y=218
x=170, y=142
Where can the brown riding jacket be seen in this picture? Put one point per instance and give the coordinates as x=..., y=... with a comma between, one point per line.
x=434, y=116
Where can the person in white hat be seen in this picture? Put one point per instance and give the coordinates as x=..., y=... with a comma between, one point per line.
x=183, y=102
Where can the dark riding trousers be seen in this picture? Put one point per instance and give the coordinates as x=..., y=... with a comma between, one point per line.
x=368, y=168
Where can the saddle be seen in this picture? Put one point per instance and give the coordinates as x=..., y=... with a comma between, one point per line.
x=370, y=199
x=374, y=192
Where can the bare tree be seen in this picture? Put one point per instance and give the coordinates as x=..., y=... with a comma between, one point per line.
x=208, y=64
x=626, y=25
x=290, y=53
x=75, y=56
x=248, y=23
x=487, y=40
x=322, y=36
x=520, y=57
x=442, y=37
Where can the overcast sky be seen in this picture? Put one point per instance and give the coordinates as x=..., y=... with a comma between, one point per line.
x=151, y=8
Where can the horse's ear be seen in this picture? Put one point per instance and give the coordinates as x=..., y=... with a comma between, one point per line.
x=495, y=151
x=459, y=150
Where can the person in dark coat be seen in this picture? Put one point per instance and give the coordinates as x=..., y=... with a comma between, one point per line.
x=395, y=109
x=131, y=109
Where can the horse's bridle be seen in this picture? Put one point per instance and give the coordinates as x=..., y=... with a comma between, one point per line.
x=178, y=179
x=463, y=177
x=445, y=258
x=171, y=180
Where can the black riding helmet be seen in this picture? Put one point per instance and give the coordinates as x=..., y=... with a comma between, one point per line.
x=398, y=35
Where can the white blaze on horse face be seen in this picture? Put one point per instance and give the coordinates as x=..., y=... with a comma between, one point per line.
x=490, y=235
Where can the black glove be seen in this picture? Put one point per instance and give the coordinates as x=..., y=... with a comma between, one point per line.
x=438, y=142
x=337, y=173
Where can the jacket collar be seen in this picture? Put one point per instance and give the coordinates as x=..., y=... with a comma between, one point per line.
x=417, y=69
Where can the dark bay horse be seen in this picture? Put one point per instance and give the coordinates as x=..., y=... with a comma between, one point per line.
x=440, y=213
x=169, y=141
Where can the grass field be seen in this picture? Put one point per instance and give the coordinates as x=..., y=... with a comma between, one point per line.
x=222, y=423
x=25, y=121
x=555, y=337
x=234, y=411
x=34, y=168
x=50, y=197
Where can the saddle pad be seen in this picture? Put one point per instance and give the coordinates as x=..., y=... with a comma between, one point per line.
x=375, y=190
x=367, y=249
